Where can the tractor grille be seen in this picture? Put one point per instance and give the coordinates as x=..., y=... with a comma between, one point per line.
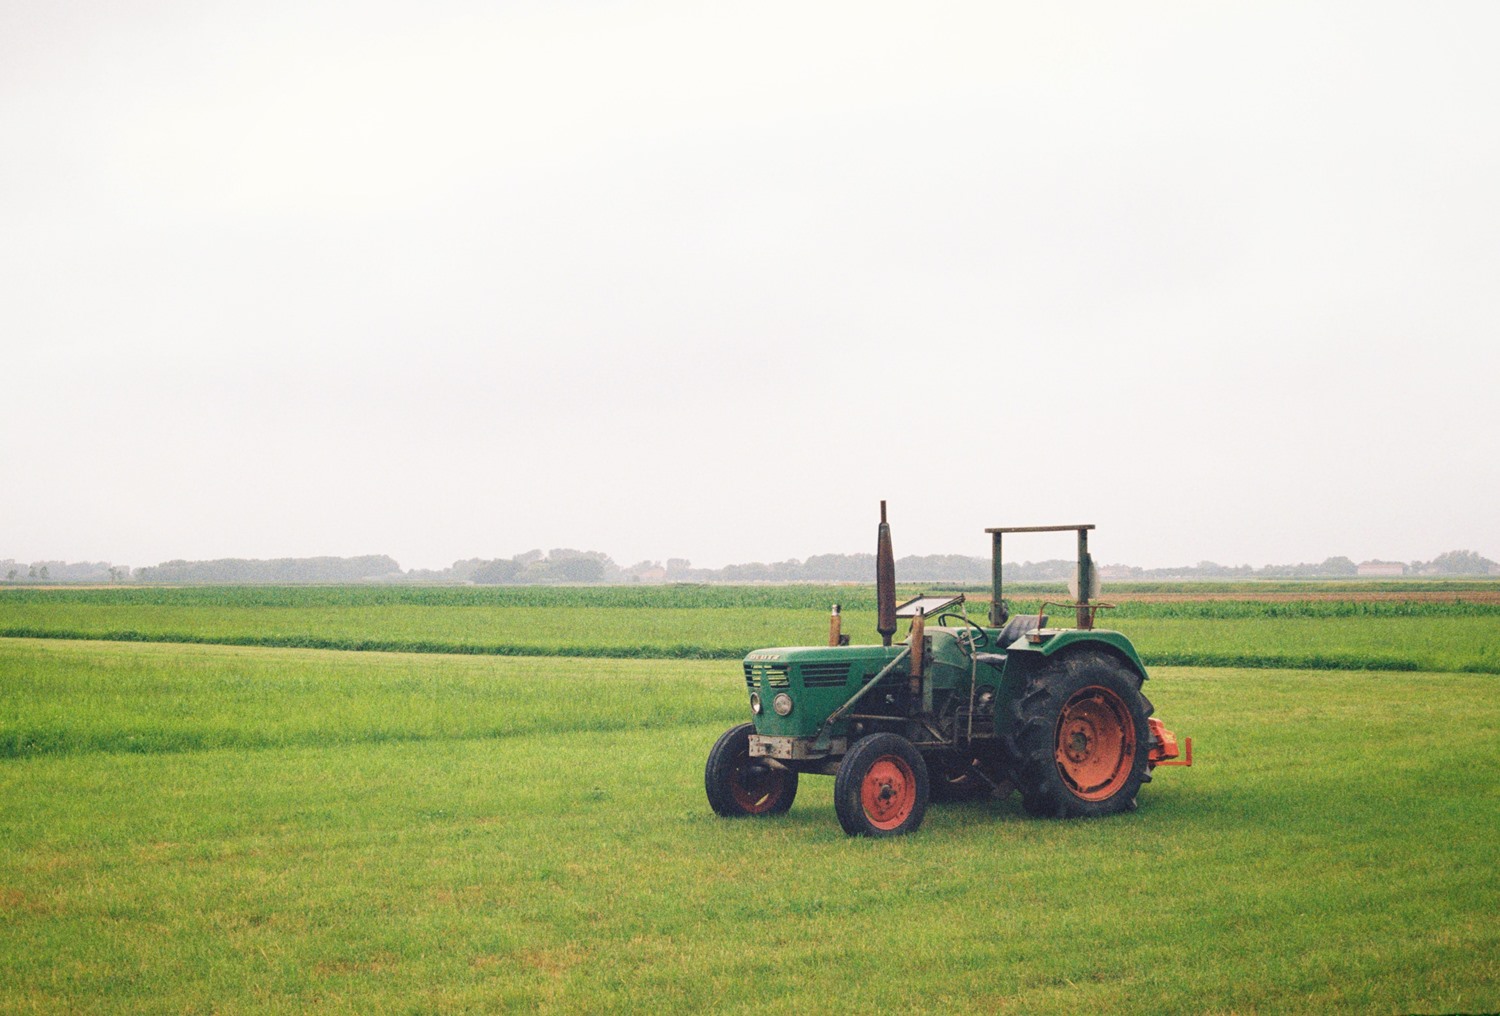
x=825, y=675
x=774, y=674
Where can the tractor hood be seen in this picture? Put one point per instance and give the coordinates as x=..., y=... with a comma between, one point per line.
x=812, y=681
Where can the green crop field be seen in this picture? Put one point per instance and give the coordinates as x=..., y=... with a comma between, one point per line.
x=199, y=828
x=727, y=622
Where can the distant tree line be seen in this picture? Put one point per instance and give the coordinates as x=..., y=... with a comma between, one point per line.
x=92, y=572
x=283, y=570
x=571, y=566
x=564, y=566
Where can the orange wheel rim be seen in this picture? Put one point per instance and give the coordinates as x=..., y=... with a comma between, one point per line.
x=1095, y=743
x=757, y=790
x=888, y=792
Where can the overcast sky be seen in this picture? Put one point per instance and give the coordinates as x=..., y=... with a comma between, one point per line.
x=446, y=280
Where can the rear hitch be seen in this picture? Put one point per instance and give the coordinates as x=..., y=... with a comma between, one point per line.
x=1164, y=750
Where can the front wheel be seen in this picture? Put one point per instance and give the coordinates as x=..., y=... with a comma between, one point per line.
x=740, y=785
x=881, y=787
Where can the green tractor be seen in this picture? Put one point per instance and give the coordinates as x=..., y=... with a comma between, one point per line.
x=959, y=710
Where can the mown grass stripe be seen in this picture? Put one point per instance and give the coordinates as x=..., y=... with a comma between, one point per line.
x=70, y=698
x=39, y=741
x=1297, y=662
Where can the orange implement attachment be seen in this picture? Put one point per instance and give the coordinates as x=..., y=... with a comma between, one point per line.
x=1164, y=751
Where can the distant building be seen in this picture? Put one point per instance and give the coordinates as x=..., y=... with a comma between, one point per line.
x=1381, y=569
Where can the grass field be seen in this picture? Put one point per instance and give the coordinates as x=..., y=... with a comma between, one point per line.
x=226, y=829
x=663, y=623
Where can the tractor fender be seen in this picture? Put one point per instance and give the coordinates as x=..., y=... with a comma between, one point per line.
x=1024, y=654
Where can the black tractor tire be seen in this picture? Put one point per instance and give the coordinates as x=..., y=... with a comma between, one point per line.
x=881, y=788
x=739, y=785
x=1077, y=737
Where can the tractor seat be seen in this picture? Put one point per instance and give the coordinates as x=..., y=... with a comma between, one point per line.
x=1014, y=629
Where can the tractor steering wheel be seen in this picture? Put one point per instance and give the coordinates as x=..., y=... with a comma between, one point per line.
x=977, y=639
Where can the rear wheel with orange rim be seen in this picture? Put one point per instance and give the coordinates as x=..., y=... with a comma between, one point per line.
x=1078, y=737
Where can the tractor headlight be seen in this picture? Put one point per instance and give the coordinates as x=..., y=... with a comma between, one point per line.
x=755, y=702
x=782, y=703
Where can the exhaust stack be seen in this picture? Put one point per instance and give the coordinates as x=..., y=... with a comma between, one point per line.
x=885, y=582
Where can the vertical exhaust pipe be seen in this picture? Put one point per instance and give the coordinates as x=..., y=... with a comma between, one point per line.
x=885, y=582
x=835, y=627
